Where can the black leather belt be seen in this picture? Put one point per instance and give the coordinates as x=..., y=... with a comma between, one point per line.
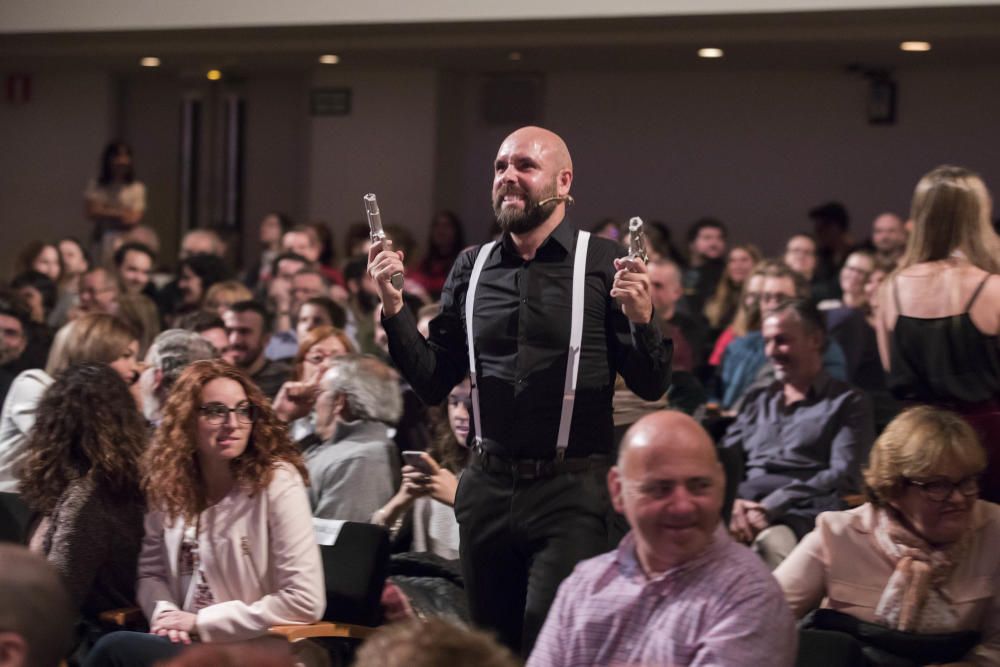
x=534, y=468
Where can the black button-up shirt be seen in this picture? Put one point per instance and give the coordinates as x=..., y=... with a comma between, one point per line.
x=521, y=326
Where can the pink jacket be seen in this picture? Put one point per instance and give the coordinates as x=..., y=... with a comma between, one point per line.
x=259, y=556
x=837, y=566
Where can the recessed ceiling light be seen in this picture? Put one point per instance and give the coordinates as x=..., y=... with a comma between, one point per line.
x=915, y=46
x=329, y=59
x=710, y=53
x=514, y=55
x=213, y=75
x=150, y=61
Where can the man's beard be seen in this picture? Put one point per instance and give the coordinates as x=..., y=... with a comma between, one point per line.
x=517, y=221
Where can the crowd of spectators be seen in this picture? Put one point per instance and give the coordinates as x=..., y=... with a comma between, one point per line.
x=174, y=425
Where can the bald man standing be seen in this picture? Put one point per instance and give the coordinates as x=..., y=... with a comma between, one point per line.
x=678, y=591
x=544, y=319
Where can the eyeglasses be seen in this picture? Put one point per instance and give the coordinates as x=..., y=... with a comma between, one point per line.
x=217, y=413
x=940, y=490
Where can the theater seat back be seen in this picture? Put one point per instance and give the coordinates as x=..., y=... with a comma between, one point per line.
x=356, y=567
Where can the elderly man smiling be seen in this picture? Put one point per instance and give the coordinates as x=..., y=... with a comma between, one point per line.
x=678, y=590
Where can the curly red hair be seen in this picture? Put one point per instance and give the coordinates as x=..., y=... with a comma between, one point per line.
x=171, y=474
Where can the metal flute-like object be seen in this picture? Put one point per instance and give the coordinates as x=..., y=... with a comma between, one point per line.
x=378, y=234
x=637, y=240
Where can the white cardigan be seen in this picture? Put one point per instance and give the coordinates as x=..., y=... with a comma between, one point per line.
x=259, y=557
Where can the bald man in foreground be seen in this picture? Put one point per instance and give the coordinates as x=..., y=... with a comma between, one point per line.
x=678, y=591
x=532, y=502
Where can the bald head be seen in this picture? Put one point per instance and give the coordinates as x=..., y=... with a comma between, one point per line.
x=669, y=485
x=667, y=433
x=546, y=142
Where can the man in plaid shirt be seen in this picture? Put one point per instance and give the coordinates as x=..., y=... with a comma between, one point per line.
x=678, y=591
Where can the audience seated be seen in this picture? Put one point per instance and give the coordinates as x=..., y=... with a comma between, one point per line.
x=445, y=240
x=272, y=227
x=707, y=250
x=296, y=399
x=353, y=462
x=306, y=283
x=80, y=474
x=202, y=242
x=318, y=311
x=804, y=438
x=427, y=494
x=209, y=326
x=744, y=364
x=432, y=643
x=223, y=294
x=722, y=306
x=889, y=236
x=248, y=329
x=938, y=323
x=36, y=616
x=15, y=324
x=920, y=556
x=196, y=276
x=833, y=241
x=229, y=548
x=168, y=356
x=134, y=264
x=94, y=338
x=98, y=293
x=677, y=590
x=74, y=261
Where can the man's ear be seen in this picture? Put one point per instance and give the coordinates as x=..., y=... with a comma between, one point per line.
x=564, y=181
x=157, y=379
x=13, y=650
x=615, y=489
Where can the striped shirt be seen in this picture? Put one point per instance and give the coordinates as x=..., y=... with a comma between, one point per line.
x=720, y=609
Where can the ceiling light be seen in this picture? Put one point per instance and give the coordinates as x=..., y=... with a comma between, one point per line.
x=329, y=59
x=710, y=53
x=213, y=75
x=150, y=61
x=514, y=55
x=915, y=46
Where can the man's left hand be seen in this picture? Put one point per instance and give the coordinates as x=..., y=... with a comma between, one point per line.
x=749, y=519
x=631, y=288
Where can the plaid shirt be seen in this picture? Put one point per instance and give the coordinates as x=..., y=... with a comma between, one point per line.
x=722, y=609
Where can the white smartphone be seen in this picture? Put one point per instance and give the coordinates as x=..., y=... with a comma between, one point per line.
x=414, y=458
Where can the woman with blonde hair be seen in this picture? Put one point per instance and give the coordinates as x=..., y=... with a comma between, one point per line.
x=95, y=338
x=229, y=548
x=939, y=312
x=919, y=557
x=740, y=262
x=224, y=294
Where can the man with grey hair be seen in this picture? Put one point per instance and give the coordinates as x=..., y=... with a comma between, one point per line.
x=353, y=463
x=171, y=352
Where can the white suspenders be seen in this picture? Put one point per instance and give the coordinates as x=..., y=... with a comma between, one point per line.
x=575, y=338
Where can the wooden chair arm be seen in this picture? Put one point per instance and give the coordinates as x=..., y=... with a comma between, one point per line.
x=294, y=633
x=123, y=617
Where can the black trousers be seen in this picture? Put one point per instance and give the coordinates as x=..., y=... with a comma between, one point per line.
x=521, y=537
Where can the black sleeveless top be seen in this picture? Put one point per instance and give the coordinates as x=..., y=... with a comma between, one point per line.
x=943, y=359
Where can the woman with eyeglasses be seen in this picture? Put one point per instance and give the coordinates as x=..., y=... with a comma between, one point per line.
x=920, y=557
x=297, y=398
x=229, y=547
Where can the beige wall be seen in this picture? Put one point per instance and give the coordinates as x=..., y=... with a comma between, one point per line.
x=50, y=149
x=386, y=146
x=756, y=148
